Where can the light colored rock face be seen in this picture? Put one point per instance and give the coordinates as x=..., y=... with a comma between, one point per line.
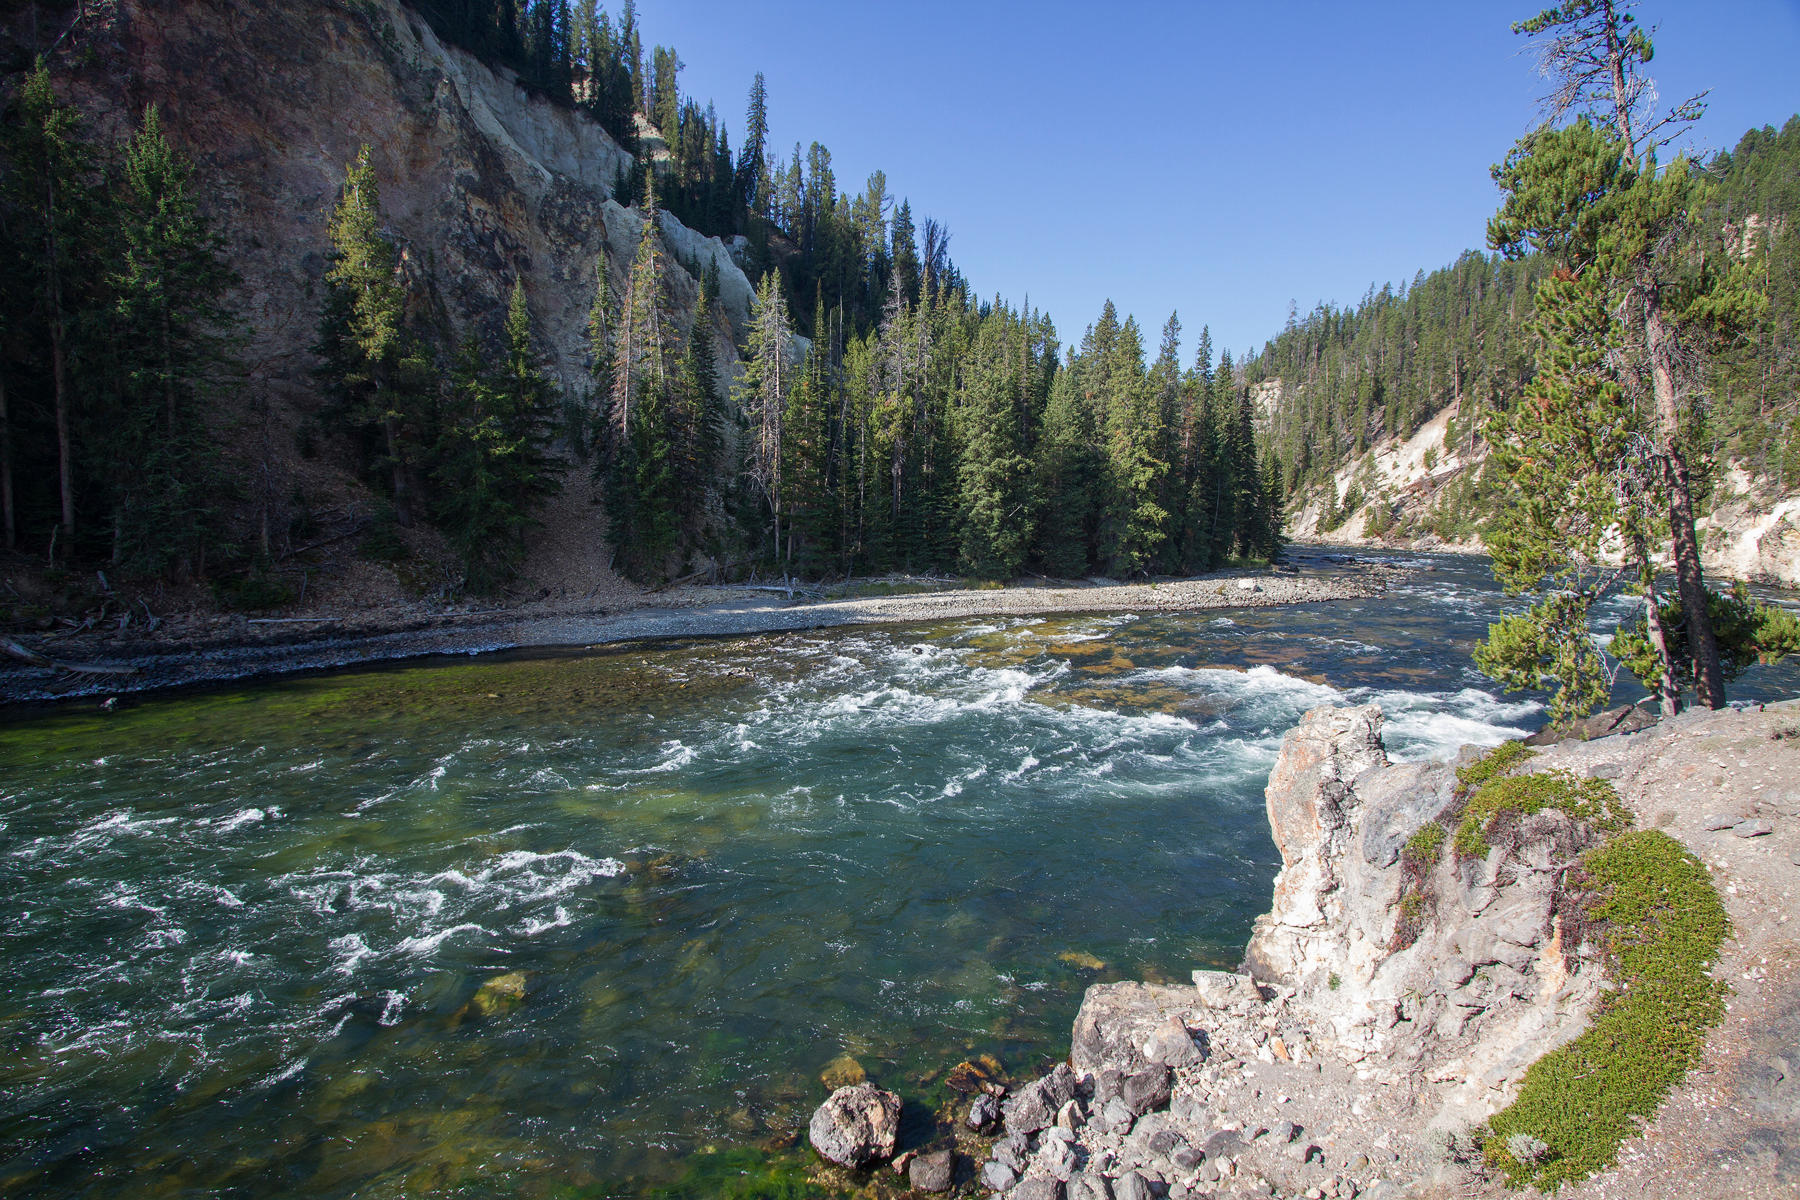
x=480, y=183
x=1751, y=533
x=1484, y=990
x=1312, y=810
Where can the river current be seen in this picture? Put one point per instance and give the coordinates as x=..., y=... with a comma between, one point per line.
x=247, y=931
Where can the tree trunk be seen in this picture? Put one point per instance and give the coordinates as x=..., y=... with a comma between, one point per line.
x=1668, y=687
x=65, y=450
x=1690, y=582
x=59, y=373
x=402, y=493
x=6, y=476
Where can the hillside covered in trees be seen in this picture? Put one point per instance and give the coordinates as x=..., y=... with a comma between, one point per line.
x=869, y=410
x=1349, y=377
x=873, y=413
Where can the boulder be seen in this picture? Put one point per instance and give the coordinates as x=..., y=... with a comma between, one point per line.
x=1034, y=1106
x=1131, y=1186
x=932, y=1172
x=1172, y=1045
x=998, y=1176
x=1040, y=1187
x=856, y=1125
x=1146, y=1090
x=984, y=1113
x=1117, y=1020
x=1226, y=989
x=1089, y=1187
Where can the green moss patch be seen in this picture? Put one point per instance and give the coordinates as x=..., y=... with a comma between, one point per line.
x=1660, y=924
x=1501, y=760
x=1423, y=849
x=1512, y=797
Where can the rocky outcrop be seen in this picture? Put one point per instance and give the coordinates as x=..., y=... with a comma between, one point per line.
x=1483, y=987
x=481, y=182
x=1751, y=530
x=1364, y=1034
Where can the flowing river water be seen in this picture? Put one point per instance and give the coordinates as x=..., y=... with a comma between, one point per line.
x=247, y=931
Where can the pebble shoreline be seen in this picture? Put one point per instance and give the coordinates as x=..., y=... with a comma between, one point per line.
x=241, y=654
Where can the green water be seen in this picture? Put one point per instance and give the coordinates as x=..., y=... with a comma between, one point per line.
x=247, y=932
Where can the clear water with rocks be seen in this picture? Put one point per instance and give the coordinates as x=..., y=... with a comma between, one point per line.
x=247, y=932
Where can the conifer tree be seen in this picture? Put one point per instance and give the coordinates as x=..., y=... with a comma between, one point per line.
x=371, y=359
x=753, y=187
x=170, y=337
x=48, y=192
x=492, y=468
x=761, y=393
x=994, y=476
x=1593, y=196
x=1069, y=469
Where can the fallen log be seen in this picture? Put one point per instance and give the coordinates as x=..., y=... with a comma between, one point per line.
x=14, y=650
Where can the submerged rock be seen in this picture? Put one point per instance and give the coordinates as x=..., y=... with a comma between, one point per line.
x=842, y=1072
x=502, y=993
x=856, y=1125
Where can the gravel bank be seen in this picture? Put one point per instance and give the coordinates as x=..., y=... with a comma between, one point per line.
x=240, y=649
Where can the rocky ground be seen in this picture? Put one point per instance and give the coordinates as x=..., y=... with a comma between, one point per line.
x=113, y=660
x=1360, y=1071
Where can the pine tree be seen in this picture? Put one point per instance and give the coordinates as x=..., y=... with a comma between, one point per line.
x=1572, y=455
x=1069, y=470
x=170, y=335
x=492, y=468
x=48, y=193
x=994, y=476
x=371, y=359
x=753, y=186
x=761, y=394
x=1593, y=196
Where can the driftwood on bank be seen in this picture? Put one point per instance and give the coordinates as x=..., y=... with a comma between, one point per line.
x=13, y=650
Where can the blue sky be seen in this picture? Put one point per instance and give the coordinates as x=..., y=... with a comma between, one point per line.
x=1215, y=159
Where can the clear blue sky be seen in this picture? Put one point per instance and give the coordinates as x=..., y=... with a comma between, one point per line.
x=1215, y=159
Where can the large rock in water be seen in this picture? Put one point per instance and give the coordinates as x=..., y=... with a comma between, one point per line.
x=856, y=1125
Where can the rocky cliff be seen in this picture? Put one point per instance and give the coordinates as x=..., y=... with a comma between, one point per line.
x=1367, y=1037
x=481, y=183
x=1402, y=489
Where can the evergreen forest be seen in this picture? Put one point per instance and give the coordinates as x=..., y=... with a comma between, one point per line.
x=886, y=416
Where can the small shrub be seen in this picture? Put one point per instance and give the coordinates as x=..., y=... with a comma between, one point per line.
x=1512, y=797
x=382, y=541
x=1334, y=983
x=1501, y=760
x=1424, y=848
x=1660, y=924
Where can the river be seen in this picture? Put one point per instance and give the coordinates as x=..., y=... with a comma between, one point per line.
x=247, y=930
